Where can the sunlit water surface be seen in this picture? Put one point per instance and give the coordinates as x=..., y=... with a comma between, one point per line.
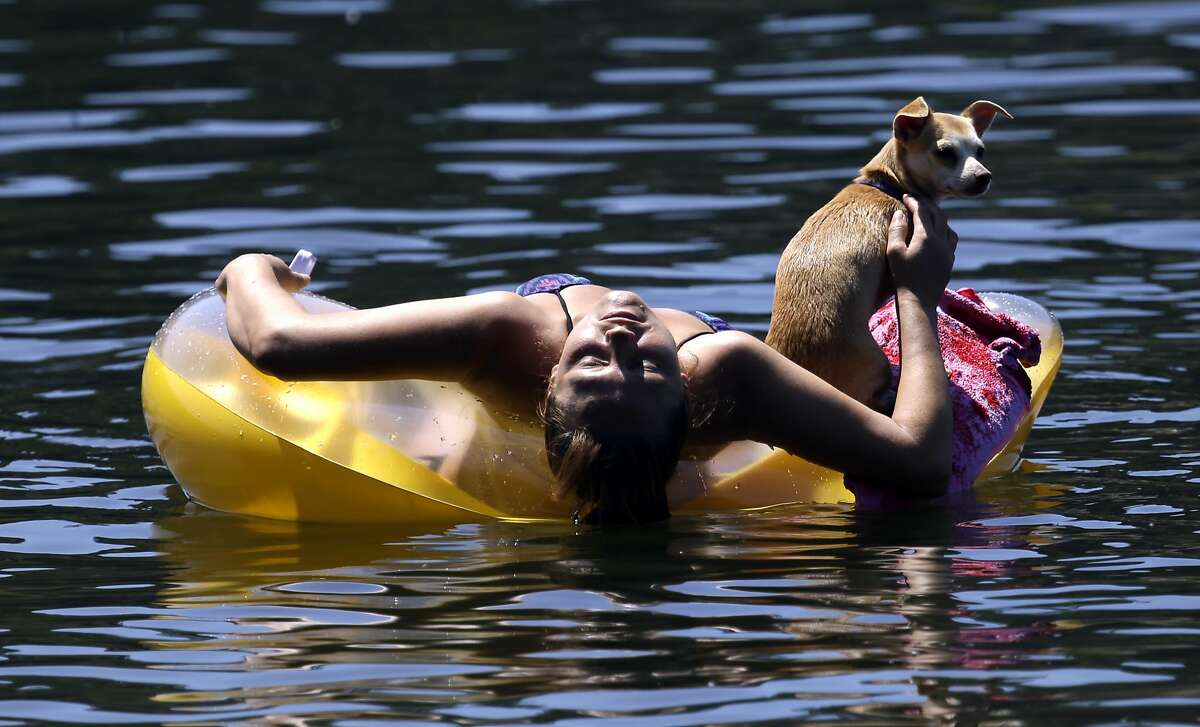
x=430, y=149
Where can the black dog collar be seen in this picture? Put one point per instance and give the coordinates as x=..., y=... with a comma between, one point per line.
x=885, y=187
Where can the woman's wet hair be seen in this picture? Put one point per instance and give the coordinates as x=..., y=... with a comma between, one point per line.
x=615, y=476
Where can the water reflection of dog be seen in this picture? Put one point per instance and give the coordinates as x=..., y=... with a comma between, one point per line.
x=761, y=595
x=930, y=553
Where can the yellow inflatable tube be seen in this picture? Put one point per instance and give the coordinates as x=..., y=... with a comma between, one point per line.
x=241, y=441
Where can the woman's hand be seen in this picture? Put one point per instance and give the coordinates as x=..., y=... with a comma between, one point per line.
x=249, y=265
x=921, y=263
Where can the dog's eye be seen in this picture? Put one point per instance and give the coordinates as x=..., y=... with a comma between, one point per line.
x=947, y=156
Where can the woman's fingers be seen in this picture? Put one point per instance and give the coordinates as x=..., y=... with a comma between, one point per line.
x=931, y=221
x=245, y=264
x=931, y=214
x=299, y=282
x=914, y=208
x=898, y=233
x=923, y=265
x=921, y=224
x=898, y=229
x=288, y=279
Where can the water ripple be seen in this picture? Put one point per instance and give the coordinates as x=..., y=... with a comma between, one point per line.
x=653, y=76
x=961, y=81
x=65, y=537
x=740, y=267
x=41, y=186
x=196, y=129
x=247, y=217
x=639, y=204
x=249, y=37
x=168, y=57
x=33, y=350
x=521, y=171
x=1075, y=420
x=1185, y=40
x=169, y=96
x=1142, y=17
x=873, y=63
x=1114, y=107
x=896, y=682
x=326, y=7
x=179, y=172
x=18, y=121
x=542, y=113
x=74, y=712
x=637, y=146
x=660, y=44
x=237, y=681
x=322, y=240
x=818, y=24
x=512, y=229
x=396, y=59
x=680, y=129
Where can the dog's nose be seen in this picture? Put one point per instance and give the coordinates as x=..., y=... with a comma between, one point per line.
x=981, y=183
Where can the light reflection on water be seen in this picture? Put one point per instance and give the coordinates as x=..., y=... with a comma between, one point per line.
x=425, y=151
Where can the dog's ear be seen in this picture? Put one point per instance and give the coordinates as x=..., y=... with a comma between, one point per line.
x=910, y=121
x=981, y=113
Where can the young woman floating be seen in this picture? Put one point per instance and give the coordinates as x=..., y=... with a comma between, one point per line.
x=621, y=386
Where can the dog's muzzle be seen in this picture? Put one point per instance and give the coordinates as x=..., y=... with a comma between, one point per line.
x=980, y=184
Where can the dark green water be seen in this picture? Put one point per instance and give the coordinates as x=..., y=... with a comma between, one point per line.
x=432, y=148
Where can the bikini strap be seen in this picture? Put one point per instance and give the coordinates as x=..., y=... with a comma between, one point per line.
x=566, y=311
x=692, y=337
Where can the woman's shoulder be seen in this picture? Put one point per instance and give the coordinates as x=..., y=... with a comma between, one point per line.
x=498, y=297
x=520, y=326
x=721, y=344
x=716, y=368
x=514, y=348
x=502, y=303
x=718, y=358
x=508, y=314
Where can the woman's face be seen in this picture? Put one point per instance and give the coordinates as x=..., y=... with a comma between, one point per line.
x=619, y=365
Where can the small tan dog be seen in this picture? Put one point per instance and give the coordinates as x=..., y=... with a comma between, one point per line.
x=833, y=274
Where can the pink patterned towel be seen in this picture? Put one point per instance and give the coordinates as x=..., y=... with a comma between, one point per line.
x=989, y=390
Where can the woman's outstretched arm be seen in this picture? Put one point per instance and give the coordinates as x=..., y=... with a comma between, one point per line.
x=446, y=340
x=782, y=404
